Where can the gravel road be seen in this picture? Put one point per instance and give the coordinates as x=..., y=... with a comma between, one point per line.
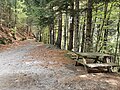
x=18, y=75
x=13, y=72
x=21, y=71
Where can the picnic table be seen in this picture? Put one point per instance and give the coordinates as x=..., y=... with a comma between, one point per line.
x=95, y=60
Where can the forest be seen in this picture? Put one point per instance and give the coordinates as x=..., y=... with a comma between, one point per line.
x=78, y=25
x=59, y=44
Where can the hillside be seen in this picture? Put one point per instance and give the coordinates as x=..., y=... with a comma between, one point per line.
x=7, y=37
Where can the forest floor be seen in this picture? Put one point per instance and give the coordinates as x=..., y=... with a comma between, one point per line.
x=34, y=66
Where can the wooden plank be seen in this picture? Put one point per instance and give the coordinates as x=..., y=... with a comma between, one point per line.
x=73, y=57
x=95, y=65
x=91, y=54
x=94, y=54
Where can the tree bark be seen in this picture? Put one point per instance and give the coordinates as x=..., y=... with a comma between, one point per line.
x=106, y=24
x=76, y=40
x=51, y=31
x=59, y=38
x=83, y=37
x=15, y=22
x=65, y=30
x=94, y=27
x=70, y=45
x=9, y=15
x=101, y=27
x=117, y=42
x=89, y=26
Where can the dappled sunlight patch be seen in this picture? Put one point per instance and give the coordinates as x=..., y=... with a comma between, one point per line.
x=83, y=76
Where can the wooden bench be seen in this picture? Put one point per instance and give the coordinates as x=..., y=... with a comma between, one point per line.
x=95, y=65
x=107, y=66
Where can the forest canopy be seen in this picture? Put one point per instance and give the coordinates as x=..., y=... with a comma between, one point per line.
x=79, y=25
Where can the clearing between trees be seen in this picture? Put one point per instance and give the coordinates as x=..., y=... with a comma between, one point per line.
x=29, y=65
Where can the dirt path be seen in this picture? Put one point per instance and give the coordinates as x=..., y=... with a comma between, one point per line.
x=35, y=66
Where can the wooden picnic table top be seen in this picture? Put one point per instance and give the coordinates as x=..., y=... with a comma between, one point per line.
x=93, y=54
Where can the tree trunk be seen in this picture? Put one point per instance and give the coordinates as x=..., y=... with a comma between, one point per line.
x=70, y=45
x=98, y=38
x=94, y=27
x=76, y=40
x=89, y=26
x=117, y=42
x=15, y=22
x=59, y=38
x=65, y=30
x=38, y=34
x=101, y=27
x=51, y=30
x=119, y=53
x=9, y=15
x=106, y=23
x=83, y=37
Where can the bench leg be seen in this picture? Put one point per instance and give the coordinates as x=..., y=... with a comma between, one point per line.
x=109, y=69
x=76, y=63
x=86, y=69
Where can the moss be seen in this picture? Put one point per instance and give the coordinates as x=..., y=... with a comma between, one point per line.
x=5, y=41
x=2, y=41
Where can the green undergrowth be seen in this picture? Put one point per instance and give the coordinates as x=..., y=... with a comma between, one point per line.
x=5, y=41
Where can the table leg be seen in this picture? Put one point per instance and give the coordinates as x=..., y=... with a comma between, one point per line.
x=97, y=57
x=109, y=69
